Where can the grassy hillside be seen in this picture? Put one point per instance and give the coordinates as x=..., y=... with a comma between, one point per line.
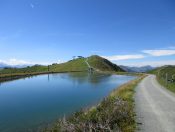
x=72, y=65
x=103, y=64
x=95, y=61
x=29, y=69
x=79, y=64
x=166, y=76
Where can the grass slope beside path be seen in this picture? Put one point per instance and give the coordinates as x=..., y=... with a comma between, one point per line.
x=165, y=76
x=114, y=113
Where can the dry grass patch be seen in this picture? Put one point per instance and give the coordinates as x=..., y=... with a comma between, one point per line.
x=114, y=114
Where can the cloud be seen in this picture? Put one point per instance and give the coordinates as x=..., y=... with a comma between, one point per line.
x=95, y=51
x=151, y=63
x=32, y=5
x=159, y=52
x=14, y=62
x=124, y=57
x=171, y=47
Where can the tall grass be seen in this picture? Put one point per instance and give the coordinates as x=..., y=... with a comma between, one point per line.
x=166, y=76
x=114, y=114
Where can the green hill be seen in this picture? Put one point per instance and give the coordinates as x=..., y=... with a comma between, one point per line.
x=79, y=64
x=72, y=65
x=96, y=62
x=162, y=71
x=103, y=64
x=29, y=69
x=166, y=76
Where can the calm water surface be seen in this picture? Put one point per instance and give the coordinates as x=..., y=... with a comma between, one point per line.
x=29, y=102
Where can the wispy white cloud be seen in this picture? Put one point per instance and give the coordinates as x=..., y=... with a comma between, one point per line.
x=95, y=51
x=159, y=52
x=32, y=5
x=171, y=47
x=124, y=57
x=14, y=62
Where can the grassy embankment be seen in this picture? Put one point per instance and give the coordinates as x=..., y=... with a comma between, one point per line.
x=15, y=73
x=114, y=113
x=165, y=76
x=76, y=65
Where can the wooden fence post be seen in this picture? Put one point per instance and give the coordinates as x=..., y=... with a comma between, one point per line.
x=11, y=73
x=48, y=68
x=166, y=78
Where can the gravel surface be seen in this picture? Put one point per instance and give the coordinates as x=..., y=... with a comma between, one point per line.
x=155, y=107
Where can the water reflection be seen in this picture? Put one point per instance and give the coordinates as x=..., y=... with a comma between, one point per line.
x=27, y=102
x=48, y=77
x=83, y=77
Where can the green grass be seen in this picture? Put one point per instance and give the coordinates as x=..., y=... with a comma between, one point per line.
x=75, y=65
x=114, y=113
x=79, y=65
x=103, y=64
x=15, y=73
x=161, y=74
x=30, y=69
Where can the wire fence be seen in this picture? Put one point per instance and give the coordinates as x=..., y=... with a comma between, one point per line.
x=167, y=78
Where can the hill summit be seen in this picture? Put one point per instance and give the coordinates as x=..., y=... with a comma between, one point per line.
x=79, y=64
x=82, y=64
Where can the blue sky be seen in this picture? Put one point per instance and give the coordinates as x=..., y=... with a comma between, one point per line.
x=128, y=32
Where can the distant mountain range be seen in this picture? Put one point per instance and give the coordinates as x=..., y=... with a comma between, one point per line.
x=3, y=65
x=95, y=61
x=137, y=69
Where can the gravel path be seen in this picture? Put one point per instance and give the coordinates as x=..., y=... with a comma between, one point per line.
x=86, y=61
x=155, y=107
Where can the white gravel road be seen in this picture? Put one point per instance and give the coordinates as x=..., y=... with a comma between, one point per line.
x=155, y=107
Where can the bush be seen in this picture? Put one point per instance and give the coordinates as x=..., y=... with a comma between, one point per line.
x=111, y=115
x=114, y=114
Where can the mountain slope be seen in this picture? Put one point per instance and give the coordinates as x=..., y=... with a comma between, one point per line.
x=79, y=64
x=137, y=69
x=170, y=70
x=2, y=65
x=103, y=64
x=72, y=65
x=5, y=65
x=29, y=69
x=165, y=76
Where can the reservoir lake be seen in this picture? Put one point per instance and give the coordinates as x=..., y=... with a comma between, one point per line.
x=29, y=102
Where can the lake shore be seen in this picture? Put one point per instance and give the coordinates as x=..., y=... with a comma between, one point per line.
x=115, y=112
x=122, y=96
x=49, y=90
x=113, y=108
x=15, y=76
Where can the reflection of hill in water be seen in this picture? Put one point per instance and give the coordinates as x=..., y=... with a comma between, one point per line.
x=77, y=77
x=82, y=77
